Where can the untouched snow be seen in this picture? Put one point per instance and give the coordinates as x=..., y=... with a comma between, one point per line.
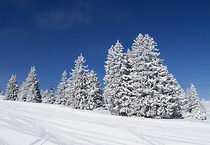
x=44, y=124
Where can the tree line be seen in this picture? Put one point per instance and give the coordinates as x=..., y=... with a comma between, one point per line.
x=136, y=84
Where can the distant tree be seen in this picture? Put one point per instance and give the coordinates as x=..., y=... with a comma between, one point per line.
x=45, y=95
x=195, y=107
x=61, y=91
x=48, y=98
x=29, y=90
x=12, y=89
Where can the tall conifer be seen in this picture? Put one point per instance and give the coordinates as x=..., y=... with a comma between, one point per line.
x=12, y=89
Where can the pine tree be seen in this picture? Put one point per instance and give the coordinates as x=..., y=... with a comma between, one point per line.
x=83, y=89
x=152, y=85
x=12, y=89
x=23, y=92
x=141, y=59
x=182, y=101
x=117, y=90
x=29, y=91
x=48, y=98
x=94, y=89
x=61, y=91
x=77, y=86
x=195, y=107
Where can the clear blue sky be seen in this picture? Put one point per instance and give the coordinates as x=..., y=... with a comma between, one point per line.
x=50, y=34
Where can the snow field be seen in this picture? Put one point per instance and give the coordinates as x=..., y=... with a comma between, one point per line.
x=36, y=124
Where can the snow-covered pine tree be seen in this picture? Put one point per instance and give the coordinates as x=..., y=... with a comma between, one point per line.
x=138, y=77
x=12, y=89
x=195, y=108
x=182, y=101
x=34, y=95
x=109, y=75
x=77, y=90
x=45, y=95
x=151, y=83
x=94, y=90
x=47, y=98
x=29, y=91
x=23, y=92
x=83, y=89
x=171, y=89
x=117, y=90
x=61, y=91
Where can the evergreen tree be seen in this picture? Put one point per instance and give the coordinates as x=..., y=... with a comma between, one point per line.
x=83, y=89
x=23, y=92
x=182, y=101
x=29, y=91
x=61, y=92
x=48, y=98
x=77, y=86
x=12, y=89
x=117, y=90
x=142, y=56
x=45, y=95
x=153, y=87
x=94, y=90
x=195, y=107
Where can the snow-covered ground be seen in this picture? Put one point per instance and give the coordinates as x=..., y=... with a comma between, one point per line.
x=42, y=124
x=1, y=97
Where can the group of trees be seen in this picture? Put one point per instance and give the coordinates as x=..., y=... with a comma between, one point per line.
x=137, y=83
x=81, y=91
x=29, y=90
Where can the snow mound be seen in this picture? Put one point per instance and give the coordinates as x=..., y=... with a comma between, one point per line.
x=47, y=124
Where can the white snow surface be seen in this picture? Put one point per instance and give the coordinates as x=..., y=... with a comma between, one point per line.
x=46, y=124
x=1, y=97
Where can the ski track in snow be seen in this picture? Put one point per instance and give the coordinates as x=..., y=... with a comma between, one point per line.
x=43, y=124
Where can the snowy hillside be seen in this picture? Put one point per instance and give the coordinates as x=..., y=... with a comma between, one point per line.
x=36, y=124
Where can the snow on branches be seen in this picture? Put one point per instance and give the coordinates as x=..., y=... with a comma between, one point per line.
x=83, y=89
x=29, y=90
x=12, y=89
x=137, y=82
x=195, y=108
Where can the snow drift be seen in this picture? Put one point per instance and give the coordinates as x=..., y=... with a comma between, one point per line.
x=35, y=124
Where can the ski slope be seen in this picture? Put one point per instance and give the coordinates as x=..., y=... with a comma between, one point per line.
x=44, y=124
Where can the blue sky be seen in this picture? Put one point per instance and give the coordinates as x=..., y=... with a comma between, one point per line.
x=51, y=34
